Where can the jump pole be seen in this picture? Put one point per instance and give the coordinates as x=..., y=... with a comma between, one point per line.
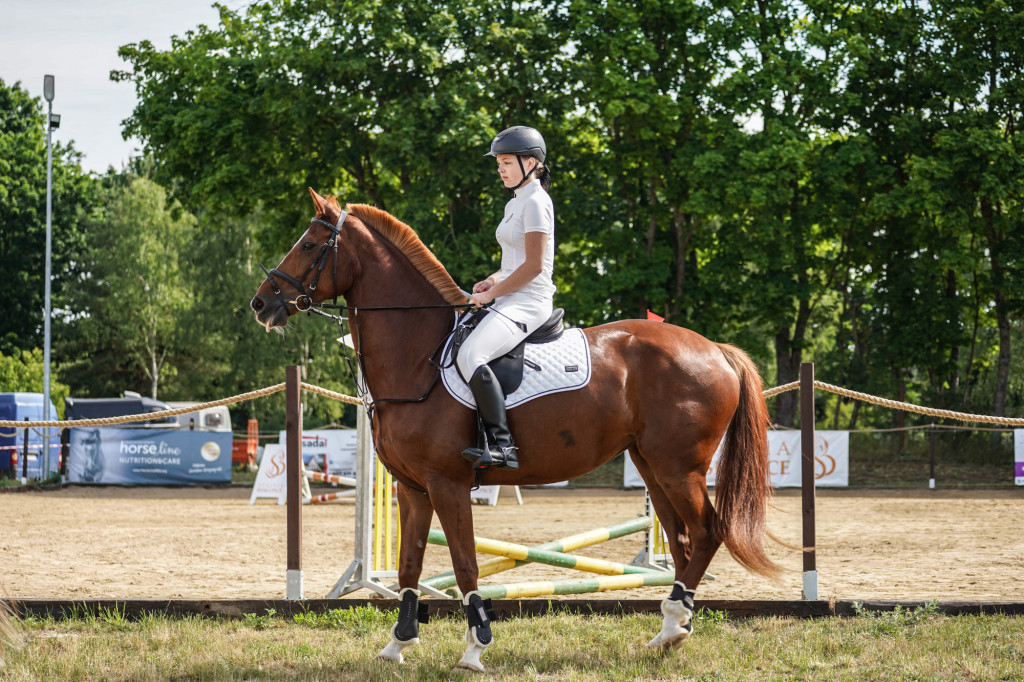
x=549, y=557
x=329, y=478
x=596, y=584
x=810, y=586
x=293, y=459
x=566, y=544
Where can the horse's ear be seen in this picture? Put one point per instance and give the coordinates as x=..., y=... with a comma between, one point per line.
x=318, y=201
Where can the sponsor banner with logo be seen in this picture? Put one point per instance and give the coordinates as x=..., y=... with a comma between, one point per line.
x=336, y=447
x=270, y=476
x=1018, y=456
x=149, y=456
x=831, y=460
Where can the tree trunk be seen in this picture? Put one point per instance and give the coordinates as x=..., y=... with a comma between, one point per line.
x=996, y=239
x=788, y=356
x=1003, y=367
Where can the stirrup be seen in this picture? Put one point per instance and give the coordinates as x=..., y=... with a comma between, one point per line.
x=481, y=459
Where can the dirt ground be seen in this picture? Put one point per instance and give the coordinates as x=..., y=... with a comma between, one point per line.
x=196, y=543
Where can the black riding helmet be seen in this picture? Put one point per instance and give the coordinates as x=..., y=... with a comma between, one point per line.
x=521, y=141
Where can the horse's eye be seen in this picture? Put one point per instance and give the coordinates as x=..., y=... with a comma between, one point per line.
x=306, y=246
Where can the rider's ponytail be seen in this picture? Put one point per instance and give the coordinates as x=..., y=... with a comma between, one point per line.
x=544, y=177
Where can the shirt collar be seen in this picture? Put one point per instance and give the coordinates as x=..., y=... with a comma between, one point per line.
x=527, y=189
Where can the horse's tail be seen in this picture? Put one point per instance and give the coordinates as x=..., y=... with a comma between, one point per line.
x=742, y=482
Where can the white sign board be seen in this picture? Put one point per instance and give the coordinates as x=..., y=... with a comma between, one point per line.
x=1018, y=456
x=271, y=480
x=335, y=446
x=831, y=460
x=488, y=494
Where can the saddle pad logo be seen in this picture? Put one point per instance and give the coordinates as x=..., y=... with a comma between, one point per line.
x=562, y=365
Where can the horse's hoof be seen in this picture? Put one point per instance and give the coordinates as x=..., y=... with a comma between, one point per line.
x=669, y=642
x=470, y=666
x=676, y=625
x=474, y=650
x=393, y=651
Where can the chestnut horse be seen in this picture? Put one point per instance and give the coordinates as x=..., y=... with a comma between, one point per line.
x=665, y=393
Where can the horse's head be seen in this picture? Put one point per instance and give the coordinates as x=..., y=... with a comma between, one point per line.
x=315, y=269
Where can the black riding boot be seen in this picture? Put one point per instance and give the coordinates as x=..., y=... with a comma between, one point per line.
x=490, y=403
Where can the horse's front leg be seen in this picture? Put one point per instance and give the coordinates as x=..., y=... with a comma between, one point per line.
x=454, y=510
x=416, y=512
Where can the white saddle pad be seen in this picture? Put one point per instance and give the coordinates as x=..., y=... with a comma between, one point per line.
x=564, y=366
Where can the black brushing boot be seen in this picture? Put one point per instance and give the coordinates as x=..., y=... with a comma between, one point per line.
x=490, y=403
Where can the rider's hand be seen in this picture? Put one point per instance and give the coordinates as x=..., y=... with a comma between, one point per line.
x=483, y=286
x=481, y=298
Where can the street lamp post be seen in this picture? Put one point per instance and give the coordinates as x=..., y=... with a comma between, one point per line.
x=52, y=123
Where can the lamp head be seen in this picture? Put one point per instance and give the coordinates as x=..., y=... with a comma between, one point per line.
x=48, y=88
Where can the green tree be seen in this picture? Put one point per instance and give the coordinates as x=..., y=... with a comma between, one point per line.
x=647, y=142
x=23, y=219
x=392, y=107
x=128, y=335
x=22, y=372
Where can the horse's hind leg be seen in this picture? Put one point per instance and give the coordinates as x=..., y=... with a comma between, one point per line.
x=679, y=496
x=416, y=513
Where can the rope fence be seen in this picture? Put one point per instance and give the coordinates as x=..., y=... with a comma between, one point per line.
x=896, y=405
x=341, y=397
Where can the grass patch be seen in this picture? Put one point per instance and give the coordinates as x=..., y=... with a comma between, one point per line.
x=905, y=644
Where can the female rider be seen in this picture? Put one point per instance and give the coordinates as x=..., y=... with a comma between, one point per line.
x=521, y=291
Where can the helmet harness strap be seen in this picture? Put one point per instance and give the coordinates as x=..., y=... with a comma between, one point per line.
x=522, y=169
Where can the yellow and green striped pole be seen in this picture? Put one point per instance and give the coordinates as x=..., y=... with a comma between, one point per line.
x=595, y=584
x=566, y=544
x=550, y=557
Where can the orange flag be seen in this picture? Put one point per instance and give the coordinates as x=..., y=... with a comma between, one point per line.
x=655, y=317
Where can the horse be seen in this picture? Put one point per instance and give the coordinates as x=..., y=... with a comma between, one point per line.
x=664, y=393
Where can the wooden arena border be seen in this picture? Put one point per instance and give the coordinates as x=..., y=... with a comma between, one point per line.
x=134, y=609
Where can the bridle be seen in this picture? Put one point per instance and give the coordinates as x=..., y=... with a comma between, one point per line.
x=304, y=301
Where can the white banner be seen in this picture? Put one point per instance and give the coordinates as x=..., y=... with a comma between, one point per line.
x=831, y=460
x=488, y=494
x=1018, y=456
x=336, y=446
x=270, y=477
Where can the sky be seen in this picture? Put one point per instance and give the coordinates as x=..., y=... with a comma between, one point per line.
x=76, y=42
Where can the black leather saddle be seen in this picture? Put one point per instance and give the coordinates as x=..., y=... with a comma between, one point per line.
x=509, y=367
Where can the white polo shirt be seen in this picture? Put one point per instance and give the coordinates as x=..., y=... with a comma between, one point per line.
x=530, y=210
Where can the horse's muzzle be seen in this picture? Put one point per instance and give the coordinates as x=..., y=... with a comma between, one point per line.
x=269, y=312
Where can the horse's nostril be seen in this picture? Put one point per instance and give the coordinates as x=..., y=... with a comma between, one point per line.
x=256, y=304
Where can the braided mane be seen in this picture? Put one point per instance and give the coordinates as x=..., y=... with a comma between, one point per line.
x=405, y=239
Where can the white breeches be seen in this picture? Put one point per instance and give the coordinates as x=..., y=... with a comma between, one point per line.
x=496, y=334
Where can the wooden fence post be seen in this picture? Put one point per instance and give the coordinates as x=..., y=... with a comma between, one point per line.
x=810, y=586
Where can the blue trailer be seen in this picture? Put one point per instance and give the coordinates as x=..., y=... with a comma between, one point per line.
x=19, y=407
